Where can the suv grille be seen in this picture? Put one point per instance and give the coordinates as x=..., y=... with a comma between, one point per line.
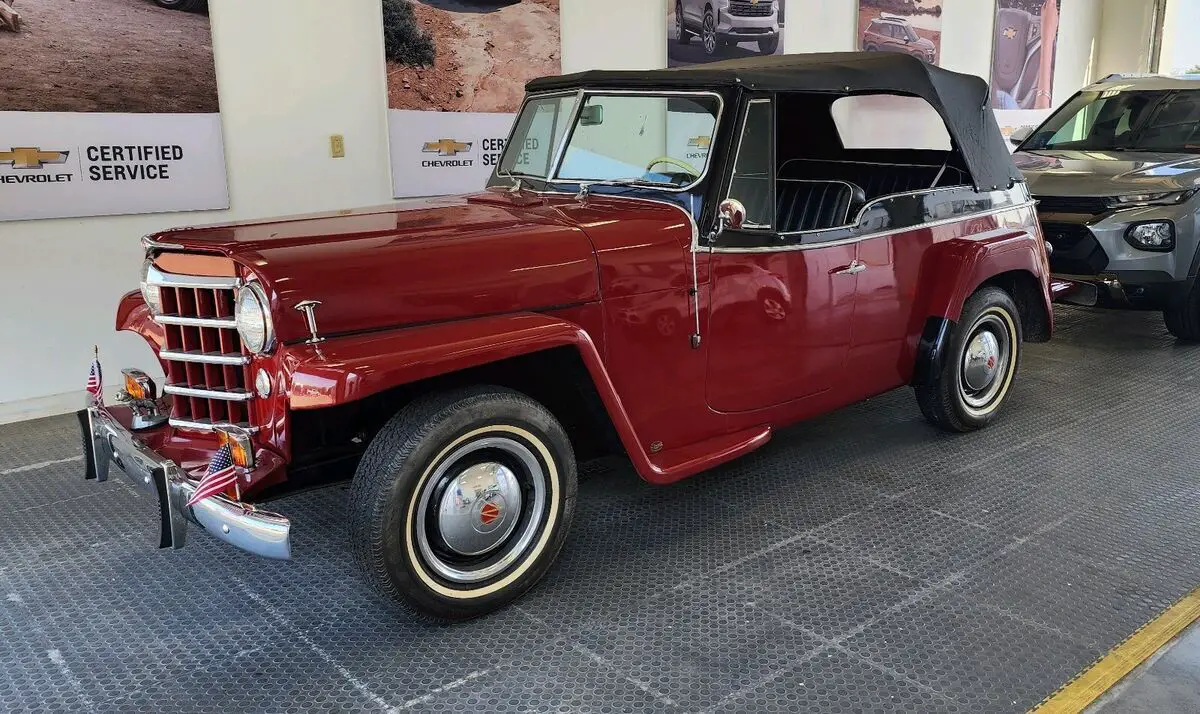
x=1076, y=250
x=744, y=8
x=1090, y=205
x=207, y=370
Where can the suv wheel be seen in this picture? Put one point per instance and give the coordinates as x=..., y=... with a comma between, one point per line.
x=768, y=46
x=1183, y=317
x=462, y=501
x=184, y=5
x=708, y=33
x=682, y=36
x=981, y=361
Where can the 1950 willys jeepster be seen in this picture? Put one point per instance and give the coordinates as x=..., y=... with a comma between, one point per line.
x=669, y=264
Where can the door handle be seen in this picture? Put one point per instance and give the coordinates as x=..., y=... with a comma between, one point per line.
x=855, y=267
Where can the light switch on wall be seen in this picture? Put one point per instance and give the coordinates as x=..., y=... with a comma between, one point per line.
x=337, y=146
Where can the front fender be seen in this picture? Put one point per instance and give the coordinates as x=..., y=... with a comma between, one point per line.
x=347, y=369
x=134, y=316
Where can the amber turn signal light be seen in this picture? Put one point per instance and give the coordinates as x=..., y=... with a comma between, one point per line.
x=241, y=451
x=138, y=385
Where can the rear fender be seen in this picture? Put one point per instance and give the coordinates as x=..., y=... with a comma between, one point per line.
x=348, y=369
x=975, y=262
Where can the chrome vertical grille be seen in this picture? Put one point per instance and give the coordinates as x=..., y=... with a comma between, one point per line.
x=206, y=368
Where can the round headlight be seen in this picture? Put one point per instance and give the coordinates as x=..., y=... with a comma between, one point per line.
x=150, y=293
x=253, y=314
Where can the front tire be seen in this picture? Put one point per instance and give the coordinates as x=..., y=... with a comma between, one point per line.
x=768, y=46
x=462, y=502
x=1183, y=317
x=708, y=34
x=183, y=5
x=980, y=364
x=683, y=37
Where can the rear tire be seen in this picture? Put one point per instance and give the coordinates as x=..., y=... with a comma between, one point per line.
x=1183, y=318
x=462, y=502
x=980, y=365
x=708, y=34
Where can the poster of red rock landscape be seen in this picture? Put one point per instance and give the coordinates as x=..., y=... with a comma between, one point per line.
x=108, y=107
x=911, y=27
x=456, y=73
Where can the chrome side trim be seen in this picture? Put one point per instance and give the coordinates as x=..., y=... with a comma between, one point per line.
x=229, y=324
x=206, y=425
x=232, y=360
x=158, y=278
x=869, y=236
x=218, y=394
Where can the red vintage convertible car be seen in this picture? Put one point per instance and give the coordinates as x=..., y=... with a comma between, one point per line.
x=667, y=264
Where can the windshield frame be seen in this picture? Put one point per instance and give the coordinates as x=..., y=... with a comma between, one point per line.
x=581, y=95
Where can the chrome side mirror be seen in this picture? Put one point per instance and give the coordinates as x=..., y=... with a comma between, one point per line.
x=730, y=214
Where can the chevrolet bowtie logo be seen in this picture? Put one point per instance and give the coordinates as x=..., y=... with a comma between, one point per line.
x=446, y=147
x=1010, y=33
x=25, y=157
x=702, y=142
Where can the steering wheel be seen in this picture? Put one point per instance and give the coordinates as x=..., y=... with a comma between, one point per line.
x=688, y=168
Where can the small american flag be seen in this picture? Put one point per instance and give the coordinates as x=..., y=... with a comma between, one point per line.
x=95, y=384
x=221, y=475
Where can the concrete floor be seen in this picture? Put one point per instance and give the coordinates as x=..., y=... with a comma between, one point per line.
x=1168, y=683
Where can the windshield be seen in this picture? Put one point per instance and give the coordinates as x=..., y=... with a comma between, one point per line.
x=1130, y=120
x=622, y=138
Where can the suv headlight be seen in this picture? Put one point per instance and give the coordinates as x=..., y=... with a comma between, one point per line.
x=252, y=311
x=1162, y=198
x=1155, y=236
x=150, y=293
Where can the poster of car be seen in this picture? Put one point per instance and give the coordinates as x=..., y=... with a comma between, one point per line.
x=1023, y=56
x=109, y=107
x=456, y=74
x=912, y=27
x=701, y=31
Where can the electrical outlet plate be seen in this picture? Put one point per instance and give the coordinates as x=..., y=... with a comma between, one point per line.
x=337, y=146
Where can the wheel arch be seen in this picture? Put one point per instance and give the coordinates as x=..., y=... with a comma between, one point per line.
x=348, y=388
x=1016, y=263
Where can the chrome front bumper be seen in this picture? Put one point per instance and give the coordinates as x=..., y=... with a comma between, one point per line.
x=108, y=442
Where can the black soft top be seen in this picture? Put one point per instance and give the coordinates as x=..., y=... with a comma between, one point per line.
x=961, y=99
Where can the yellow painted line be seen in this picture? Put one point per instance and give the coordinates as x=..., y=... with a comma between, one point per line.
x=1089, y=685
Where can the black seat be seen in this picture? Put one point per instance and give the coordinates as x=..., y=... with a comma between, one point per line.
x=815, y=205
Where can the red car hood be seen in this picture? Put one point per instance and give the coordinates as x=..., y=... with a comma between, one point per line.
x=427, y=261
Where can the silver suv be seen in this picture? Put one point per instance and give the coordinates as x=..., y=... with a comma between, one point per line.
x=722, y=23
x=1116, y=172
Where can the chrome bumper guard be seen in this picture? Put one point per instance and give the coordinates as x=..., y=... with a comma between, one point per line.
x=107, y=442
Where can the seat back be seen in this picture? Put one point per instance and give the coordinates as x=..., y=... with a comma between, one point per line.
x=802, y=205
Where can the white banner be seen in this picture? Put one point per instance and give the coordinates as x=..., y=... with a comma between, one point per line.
x=60, y=165
x=441, y=153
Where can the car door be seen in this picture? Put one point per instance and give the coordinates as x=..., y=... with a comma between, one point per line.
x=780, y=318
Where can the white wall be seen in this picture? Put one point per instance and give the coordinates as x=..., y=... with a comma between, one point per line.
x=289, y=77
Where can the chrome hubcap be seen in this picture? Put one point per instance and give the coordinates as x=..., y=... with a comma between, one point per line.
x=985, y=361
x=480, y=509
x=981, y=360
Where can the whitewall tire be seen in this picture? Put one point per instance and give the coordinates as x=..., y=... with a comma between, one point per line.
x=462, y=502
